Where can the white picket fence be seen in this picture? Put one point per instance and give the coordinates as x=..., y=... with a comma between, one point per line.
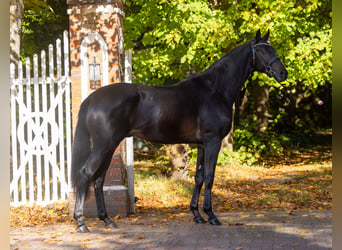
x=41, y=128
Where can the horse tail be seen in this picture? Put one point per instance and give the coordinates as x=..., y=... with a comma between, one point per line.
x=81, y=146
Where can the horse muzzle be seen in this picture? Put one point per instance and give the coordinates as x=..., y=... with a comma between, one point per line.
x=277, y=71
x=281, y=76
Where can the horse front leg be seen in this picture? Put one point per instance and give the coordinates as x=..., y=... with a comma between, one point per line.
x=199, y=178
x=212, y=149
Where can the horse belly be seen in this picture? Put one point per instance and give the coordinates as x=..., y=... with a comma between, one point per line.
x=167, y=130
x=166, y=116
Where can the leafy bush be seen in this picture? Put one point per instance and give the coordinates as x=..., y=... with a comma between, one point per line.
x=251, y=147
x=226, y=157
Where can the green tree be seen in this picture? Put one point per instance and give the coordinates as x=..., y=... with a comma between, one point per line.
x=43, y=22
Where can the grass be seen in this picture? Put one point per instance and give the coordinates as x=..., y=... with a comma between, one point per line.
x=157, y=191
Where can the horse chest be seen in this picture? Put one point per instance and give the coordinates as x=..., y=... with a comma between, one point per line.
x=215, y=120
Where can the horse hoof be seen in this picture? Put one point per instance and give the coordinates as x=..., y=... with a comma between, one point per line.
x=215, y=221
x=199, y=220
x=111, y=225
x=83, y=229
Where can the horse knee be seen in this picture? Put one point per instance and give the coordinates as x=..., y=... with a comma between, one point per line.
x=90, y=169
x=98, y=182
x=209, y=185
x=199, y=180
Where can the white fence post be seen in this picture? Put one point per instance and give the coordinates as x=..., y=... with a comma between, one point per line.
x=67, y=106
x=29, y=126
x=129, y=140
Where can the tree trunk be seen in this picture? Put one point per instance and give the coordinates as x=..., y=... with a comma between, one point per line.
x=178, y=156
x=16, y=15
x=261, y=101
x=227, y=141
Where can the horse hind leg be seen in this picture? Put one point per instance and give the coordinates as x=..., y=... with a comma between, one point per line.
x=81, y=192
x=86, y=174
x=100, y=202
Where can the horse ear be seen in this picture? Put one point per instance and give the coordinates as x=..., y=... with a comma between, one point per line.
x=258, y=36
x=265, y=38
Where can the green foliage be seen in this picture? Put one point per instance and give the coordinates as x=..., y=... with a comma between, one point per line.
x=249, y=148
x=253, y=146
x=240, y=157
x=43, y=22
x=163, y=161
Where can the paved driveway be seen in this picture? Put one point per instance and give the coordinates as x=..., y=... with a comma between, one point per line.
x=240, y=230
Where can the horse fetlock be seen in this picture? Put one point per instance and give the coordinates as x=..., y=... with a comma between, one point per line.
x=109, y=223
x=197, y=216
x=214, y=221
x=82, y=229
x=199, y=220
x=193, y=208
x=78, y=218
x=208, y=211
x=212, y=217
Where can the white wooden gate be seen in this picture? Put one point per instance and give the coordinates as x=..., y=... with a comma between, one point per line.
x=41, y=128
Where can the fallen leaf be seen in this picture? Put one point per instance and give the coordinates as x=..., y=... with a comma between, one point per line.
x=235, y=224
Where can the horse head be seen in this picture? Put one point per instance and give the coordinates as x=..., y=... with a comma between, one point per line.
x=265, y=58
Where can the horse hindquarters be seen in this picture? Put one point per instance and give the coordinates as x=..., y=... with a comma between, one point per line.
x=95, y=125
x=95, y=168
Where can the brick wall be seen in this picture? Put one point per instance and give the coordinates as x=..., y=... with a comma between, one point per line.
x=104, y=19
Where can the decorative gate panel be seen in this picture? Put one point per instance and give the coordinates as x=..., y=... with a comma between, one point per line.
x=41, y=129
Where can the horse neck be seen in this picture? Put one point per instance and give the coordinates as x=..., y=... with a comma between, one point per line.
x=231, y=71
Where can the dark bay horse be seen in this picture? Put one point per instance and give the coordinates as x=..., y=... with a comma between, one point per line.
x=195, y=110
